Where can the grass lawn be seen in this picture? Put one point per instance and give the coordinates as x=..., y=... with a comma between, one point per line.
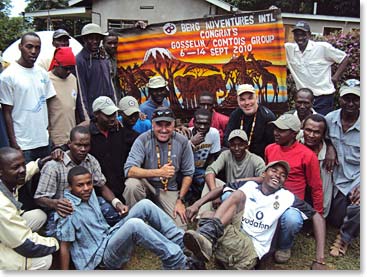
x=303, y=252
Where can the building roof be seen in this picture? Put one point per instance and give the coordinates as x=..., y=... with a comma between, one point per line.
x=68, y=12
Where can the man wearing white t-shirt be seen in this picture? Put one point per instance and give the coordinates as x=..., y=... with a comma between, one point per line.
x=260, y=206
x=205, y=143
x=24, y=90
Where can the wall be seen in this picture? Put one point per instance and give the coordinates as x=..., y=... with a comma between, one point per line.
x=163, y=10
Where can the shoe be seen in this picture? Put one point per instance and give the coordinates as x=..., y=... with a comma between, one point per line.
x=198, y=244
x=193, y=263
x=339, y=247
x=282, y=256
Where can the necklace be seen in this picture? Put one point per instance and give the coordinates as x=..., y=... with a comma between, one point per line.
x=252, y=127
x=164, y=181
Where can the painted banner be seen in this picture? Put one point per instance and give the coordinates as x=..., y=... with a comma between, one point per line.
x=215, y=54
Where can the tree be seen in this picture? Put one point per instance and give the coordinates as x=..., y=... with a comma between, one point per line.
x=11, y=27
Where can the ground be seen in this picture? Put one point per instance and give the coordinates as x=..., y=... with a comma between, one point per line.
x=302, y=256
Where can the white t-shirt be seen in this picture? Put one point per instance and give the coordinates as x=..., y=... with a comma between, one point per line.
x=312, y=68
x=210, y=145
x=27, y=89
x=261, y=214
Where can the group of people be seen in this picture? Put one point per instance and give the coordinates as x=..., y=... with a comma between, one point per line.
x=96, y=174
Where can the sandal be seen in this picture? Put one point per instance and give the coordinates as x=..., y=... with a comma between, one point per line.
x=339, y=247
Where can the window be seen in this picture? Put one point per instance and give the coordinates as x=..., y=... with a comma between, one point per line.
x=330, y=30
x=119, y=24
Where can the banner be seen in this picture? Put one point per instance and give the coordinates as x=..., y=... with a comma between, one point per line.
x=214, y=54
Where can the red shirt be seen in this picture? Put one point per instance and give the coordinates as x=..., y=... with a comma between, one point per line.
x=219, y=122
x=305, y=170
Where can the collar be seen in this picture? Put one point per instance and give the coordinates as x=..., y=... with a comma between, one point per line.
x=9, y=195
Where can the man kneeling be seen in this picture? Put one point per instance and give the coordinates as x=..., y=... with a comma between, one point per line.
x=91, y=242
x=254, y=210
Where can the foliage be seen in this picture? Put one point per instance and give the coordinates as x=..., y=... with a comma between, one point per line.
x=11, y=27
x=327, y=7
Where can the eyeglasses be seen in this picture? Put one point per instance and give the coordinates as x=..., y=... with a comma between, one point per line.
x=352, y=83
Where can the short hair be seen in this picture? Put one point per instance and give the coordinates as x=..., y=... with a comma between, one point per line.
x=5, y=151
x=306, y=90
x=80, y=130
x=110, y=33
x=316, y=118
x=204, y=112
x=28, y=34
x=75, y=171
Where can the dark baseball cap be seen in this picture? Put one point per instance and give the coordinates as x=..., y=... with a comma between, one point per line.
x=60, y=33
x=303, y=26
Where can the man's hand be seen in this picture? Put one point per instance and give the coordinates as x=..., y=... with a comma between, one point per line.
x=122, y=209
x=14, y=144
x=355, y=196
x=57, y=154
x=180, y=210
x=331, y=158
x=216, y=203
x=167, y=170
x=63, y=207
x=142, y=116
x=191, y=212
x=184, y=131
x=197, y=139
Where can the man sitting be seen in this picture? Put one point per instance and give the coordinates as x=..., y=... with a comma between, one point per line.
x=254, y=209
x=91, y=242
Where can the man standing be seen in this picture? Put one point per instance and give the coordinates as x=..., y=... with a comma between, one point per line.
x=109, y=43
x=310, y=65
x=251, y=117
x=24, y=90
x=238, y=164
x=21, y=248
x=158, y=92
x=60, y=38
x=344, y=133
x=61, y=108
x=250, y=215
x=110, y=143
x=155, y=162
x=304, y=171
x=219, y=121
x=93, y=71
x=205, y=144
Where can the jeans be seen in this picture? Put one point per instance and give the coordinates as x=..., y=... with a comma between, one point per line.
x=149, y=226
x=291, y=223
x=324, y=104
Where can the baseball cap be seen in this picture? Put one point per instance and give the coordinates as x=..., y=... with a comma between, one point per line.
x=157, y=82
x=129, y=105
x=238, y=133
x=283, y=163
x=60, y=33
x=105, y=105
x=92, y=28
x=303, y=26
x=63, y=56
x=245, y=88
x=351, y=86
x=288, y=121
x=163, y=114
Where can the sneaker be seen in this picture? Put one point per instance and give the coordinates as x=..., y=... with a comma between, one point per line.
x=282, y=256
x=198, y=244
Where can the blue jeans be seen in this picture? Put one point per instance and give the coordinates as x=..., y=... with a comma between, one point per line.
x=324, y=104
x=149, y=226
x=291, y=223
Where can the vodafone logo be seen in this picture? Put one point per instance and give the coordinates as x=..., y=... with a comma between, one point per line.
x=169, y=29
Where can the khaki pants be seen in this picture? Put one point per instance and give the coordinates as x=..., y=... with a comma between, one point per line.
x=208, y=206
x=138, y=189
x=35, y=219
